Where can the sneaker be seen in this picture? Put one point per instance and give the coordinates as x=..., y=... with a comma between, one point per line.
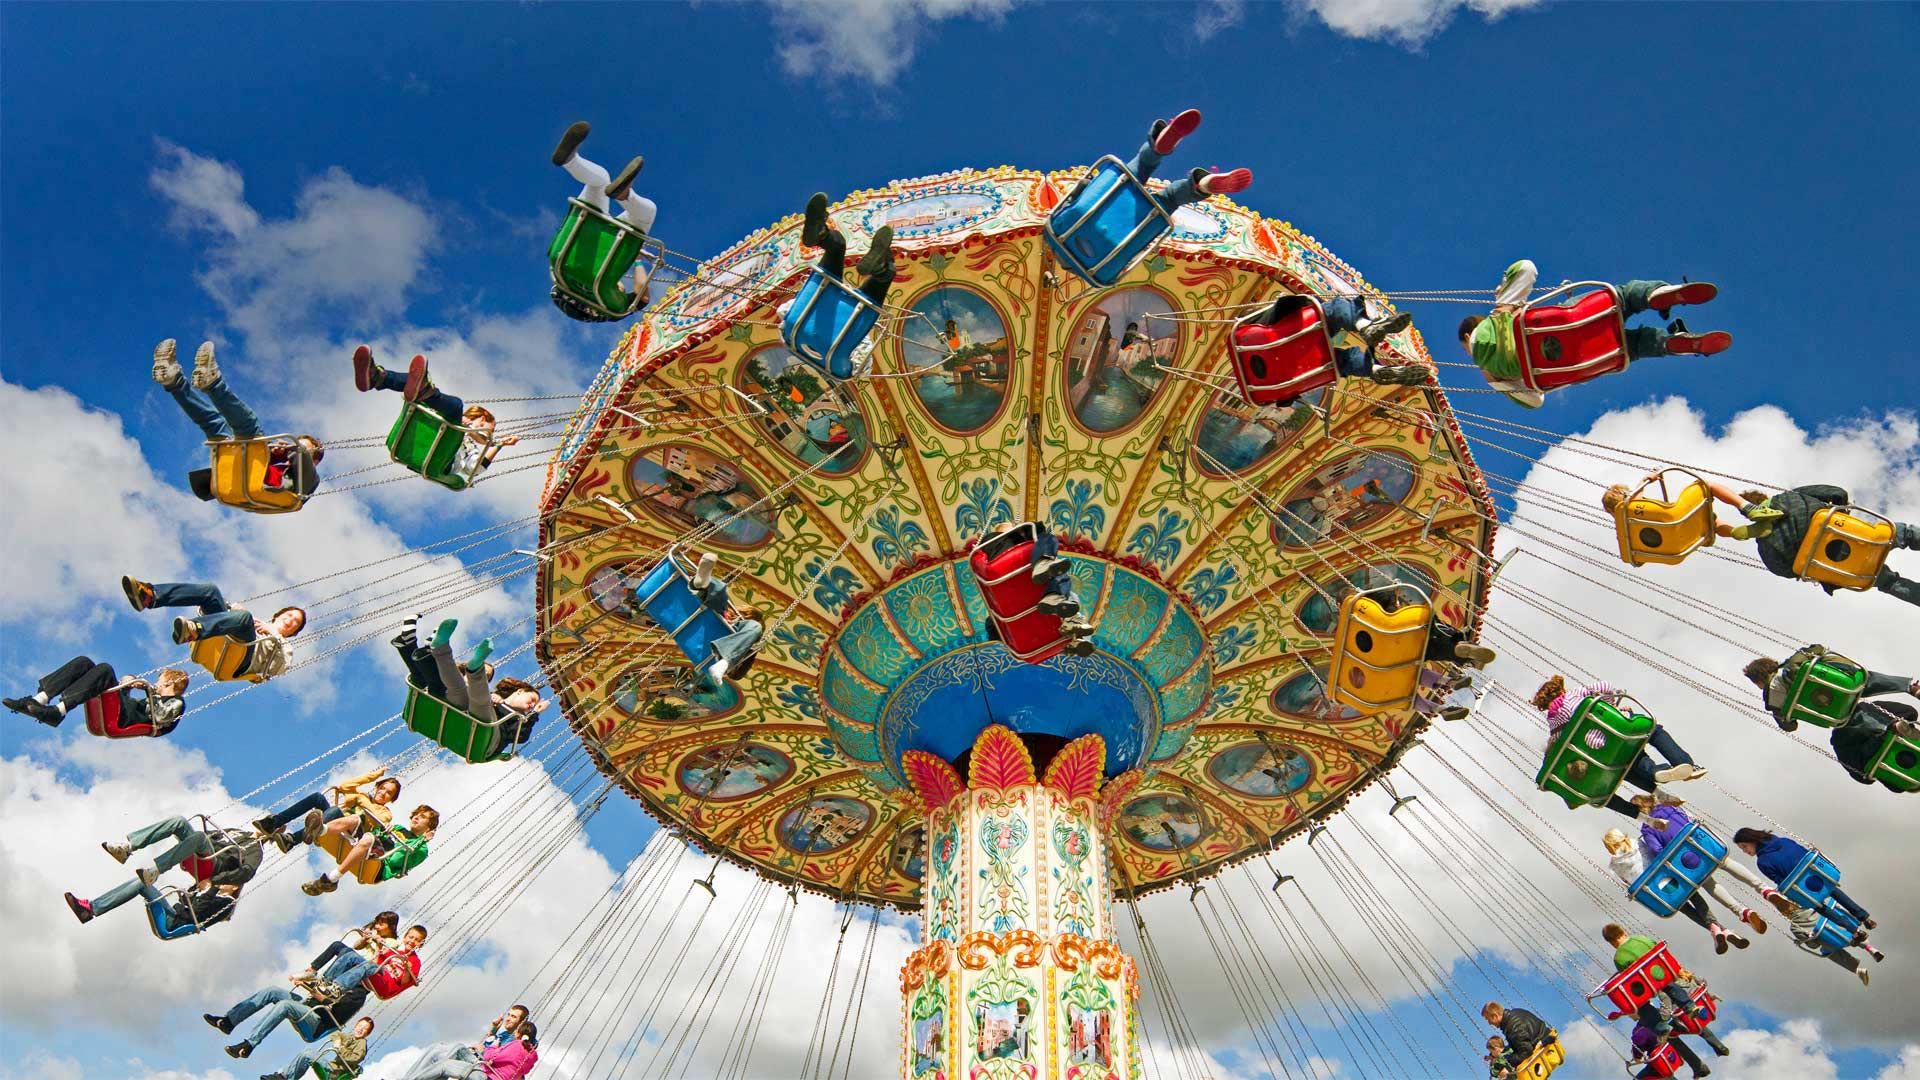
x=1375, y=331
x=1738, y=941
x=312, y=826
x=1079, y=647
x=185, y=630
x=365, y=371
x=239, y=1050
x=622, y=183
x=1869, y=924
x=1455, y=712
x=1877, y=955
x=119, y=850
x=319, y=886
x=82, y=909
x=1062, y=606
x=1865, y=976
x=1166, y=134
x=813, y=226
x=1906, y=729
x=1780, y=903
x=1675, y=774
x=879, y=254
x=326, y=989
x=1701, y=344
x=417, y=382
x=1687, y=292
x=1477, y=655
x=282, y=841
x=1225, y=183
x=147, y=874
x=703, y=571
x=570, y=141
x=1076, y=627
x=218, y=1023
x=1752, y=918
x=1048, y=567
x=166, y=367
x=264, y=826
x=1400, y=375
x=1720, y=944
x=206, y=370
x=139, y=593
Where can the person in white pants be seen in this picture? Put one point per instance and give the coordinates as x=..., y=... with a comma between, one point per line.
x=444, y=1059
x=597, y=187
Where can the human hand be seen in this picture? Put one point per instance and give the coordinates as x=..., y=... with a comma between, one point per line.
x=1913, y=688
x=139, y=684
x=510, y=440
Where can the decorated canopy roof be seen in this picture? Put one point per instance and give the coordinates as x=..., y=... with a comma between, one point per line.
x=1209, y=541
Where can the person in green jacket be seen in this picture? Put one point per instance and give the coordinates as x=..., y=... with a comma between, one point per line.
x=397, y=850
x=1495, y=348
x=1777, y=524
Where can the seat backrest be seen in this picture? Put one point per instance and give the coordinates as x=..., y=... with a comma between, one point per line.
x=106, y=717
x=1563, y=344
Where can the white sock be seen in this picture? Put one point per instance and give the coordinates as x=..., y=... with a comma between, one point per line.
x=40, y=696
x=718, y=669
x=60, y=707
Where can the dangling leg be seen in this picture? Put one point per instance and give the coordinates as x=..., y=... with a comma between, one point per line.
x=636, y=210
x=1200, y=183
x=1661, y=296
x=1726, y=900
x=166, y=372
x=1896, y=586
x=451, y=677
x=833, y=254
x=1162, y=137
x=1680, y=767
x=593, y=181
x=72, y=683
x=206, y=378
x=876, y=267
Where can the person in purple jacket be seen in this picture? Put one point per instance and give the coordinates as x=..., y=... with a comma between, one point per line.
x=1661, y=819
x=1645, y=1040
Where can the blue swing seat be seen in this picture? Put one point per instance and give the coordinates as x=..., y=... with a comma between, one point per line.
x=1811, y=883
x=827, y=322
x=1107, y=224
x=667, y=598
x=1678, y=871
x=1833, y=932
x=161, y=921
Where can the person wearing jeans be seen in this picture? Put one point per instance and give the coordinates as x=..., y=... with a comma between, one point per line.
x=477, y=449
x=207, y=399
x=349, y=1050
x=274, y=1006
x=1162, y=137
x=187, y=841
x=267, y=652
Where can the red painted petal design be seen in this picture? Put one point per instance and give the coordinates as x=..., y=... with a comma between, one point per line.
x=1000, y=761
x=1076, y=770
x=935, y=781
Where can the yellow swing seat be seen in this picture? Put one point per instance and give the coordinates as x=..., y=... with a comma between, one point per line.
x=1378, y=651
x=1845, y=547
x=225, y=659
x=337, y=844
x=1667, y=528
x=239, y=477
x=1545, y=1058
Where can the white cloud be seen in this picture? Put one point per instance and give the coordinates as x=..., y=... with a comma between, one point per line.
x=1403, y=22
x=870, y=40
x=1794, y=1051
x=1906, y=1067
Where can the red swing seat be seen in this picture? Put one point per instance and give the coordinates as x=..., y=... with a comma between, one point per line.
x=107, y=718
x=1564, y=344
x=1280, y=361
x=1706, y=1006
x=1003, y=566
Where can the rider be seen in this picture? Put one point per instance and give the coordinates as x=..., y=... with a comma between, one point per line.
x=1055, y=576
x=1345, y=318
x=1803, y=922
x=1778, y=857
x=1494, y=344
x=316, y=816
x=1523, y=1031
x=511, y=1058
x=730, y=653
x=80, y=680
x=465, y=682
x=220, y=415
x=313, y=1019
x=1857, y=741
x=1777, y=524
x=1628, y=861
x=349, y=1050
x=354, y=956
x=235, y=856
x=398, y=850
x=477, y=450
x=1661, y=819
x=597, y=188
x=1198, y=184
x=876, y=266
x=267, y=651
x=1554, y=699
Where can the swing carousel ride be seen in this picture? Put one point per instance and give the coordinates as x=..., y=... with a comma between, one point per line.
x=889, y=745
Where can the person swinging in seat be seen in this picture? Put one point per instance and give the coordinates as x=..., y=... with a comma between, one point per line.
x=1349, y=322
x=220, y=861
x=464, y=684
x=1560, y=705
x=220, y=415
x=396, y=850
x=478, y=447
x=361, y=799
x=267, y=651
x=1780, y=524
x=1856, y=738
x=80, y=683
x=1055, y=576
x=730, y=654
x=585, y=289
x=1495, y=341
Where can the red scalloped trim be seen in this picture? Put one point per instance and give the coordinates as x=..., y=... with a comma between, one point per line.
x=1000, y=761
x=935, y=781
x=1077, y=769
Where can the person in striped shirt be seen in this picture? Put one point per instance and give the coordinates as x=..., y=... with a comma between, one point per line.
x=1559, y=703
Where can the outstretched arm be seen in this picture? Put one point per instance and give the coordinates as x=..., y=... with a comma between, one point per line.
x=1878, y=684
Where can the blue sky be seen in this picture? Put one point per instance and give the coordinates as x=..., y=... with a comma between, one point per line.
x=1758, y=146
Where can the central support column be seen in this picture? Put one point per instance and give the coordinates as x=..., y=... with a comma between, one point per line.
x=1018, y=975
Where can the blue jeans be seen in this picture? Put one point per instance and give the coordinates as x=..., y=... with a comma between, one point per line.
x=217, y=411
x=301, y=809
x=1178, y=194
x=275, y=1005
x=436, y=399
x=216, y=618
x=1641, y=340
x=1845, y=901
x=1047, y=546
x=1640, y=773
x=344, y=966
x=188, y=841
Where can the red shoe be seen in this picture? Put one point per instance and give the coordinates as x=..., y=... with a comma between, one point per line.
x=1168, y=133
x=417, y=378
x=1687, y=292
x=1701, y=344
x=82, y=909
x=1226, y=183
x=363, y=369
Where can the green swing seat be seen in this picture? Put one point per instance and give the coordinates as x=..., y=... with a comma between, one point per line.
x=424, y=442
x=475, y=741
x=590, y=257
x=333, y=1070
x=1897, y=765
x=1603, y=738
x=1825, y=690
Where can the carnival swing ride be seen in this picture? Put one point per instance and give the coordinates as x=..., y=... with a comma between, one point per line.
x=1261, y=552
